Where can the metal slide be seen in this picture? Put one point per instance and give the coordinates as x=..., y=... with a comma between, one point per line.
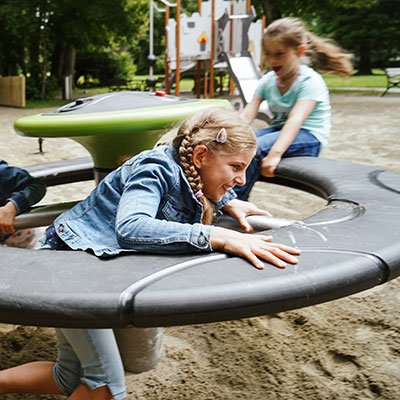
x=246, y=76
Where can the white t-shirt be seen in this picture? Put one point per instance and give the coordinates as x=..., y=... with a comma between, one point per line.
x=309, y=85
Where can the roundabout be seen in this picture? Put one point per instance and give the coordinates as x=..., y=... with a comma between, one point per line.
x=332, y=349
x=350, y=245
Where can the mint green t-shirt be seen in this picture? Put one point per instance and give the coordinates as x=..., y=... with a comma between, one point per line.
x=309, y=85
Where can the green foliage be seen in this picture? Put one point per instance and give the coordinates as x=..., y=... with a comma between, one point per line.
x=41, y=36
x=370, y=29
x=372, y=34
x=32, y=89
x=104, y=67
x=106, y=39
x=375, y=80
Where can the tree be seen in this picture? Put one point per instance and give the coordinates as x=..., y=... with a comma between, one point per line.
x=372, y=33
x=370, y=29
x=42, y=36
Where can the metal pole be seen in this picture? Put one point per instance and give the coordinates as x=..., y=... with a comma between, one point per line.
x=197, y=78
x=263, y=23
x=212, y=49
x=151, y=82
x=166, y=51
x=248, y=6
x=231, y=83
x=177, y=70
x=151, y=37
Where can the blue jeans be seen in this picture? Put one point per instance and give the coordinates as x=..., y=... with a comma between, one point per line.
x=304, y=144
x=88, y=356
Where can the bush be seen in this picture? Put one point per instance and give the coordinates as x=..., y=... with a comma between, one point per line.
x=102, y=68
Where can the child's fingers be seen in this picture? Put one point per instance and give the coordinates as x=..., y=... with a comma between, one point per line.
x=264, y=237
x=273, y=255
x=271, y=258
x=277, y=255
x=287, y=249
x=283, y=255
x=254, y=260
x=260, y=211
x=244, y=224
x=284, y=247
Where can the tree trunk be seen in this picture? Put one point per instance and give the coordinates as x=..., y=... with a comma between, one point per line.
x=272, y=10
x=63, y=63
x=34, y=64
x=69, y=60
x=68, y=67
x=57, y=62
x=364, y=63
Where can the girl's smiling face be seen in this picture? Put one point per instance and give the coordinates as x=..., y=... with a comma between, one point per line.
x=222, y=171
x=283, y=60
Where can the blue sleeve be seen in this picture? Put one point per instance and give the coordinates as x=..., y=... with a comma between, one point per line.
x=19, y=187
x=226, y=199
x=139, y=225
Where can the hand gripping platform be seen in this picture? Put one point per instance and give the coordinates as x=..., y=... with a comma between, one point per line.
x=351, y=245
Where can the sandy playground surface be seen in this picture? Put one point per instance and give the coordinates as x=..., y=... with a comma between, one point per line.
x=344, y=349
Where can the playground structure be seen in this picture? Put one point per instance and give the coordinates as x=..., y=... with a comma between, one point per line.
x=152, y=291
x=222, y=36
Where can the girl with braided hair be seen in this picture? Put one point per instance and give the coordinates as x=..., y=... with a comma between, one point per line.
x=297, y=96
x=160, y=201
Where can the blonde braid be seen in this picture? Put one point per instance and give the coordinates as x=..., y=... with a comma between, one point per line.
x=186, y=156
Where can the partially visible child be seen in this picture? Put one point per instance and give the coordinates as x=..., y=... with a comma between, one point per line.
x=297, y=96
x=160, y=201
x=18, y=192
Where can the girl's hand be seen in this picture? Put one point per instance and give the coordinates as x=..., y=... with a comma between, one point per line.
x=269, y=165
x=7, y=216
x=252, y=247
x=239, y=210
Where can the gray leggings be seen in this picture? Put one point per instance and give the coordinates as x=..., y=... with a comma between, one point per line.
x=88, y=356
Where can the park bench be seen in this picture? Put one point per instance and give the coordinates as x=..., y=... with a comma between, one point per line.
x=393, y=78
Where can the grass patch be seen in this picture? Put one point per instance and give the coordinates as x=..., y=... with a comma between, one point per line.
x=364, y=92
x=46, y=103
x=377, y=79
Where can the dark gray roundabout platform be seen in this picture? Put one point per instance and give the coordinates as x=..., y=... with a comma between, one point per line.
x=351, y=245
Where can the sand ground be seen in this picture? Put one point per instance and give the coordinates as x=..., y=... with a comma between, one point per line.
x=344, y=349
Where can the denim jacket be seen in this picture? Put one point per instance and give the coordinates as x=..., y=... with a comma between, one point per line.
x=19, y=187
x=145, y=205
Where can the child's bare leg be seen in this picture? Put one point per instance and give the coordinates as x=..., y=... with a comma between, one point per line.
x=85, y=393
x=35, y=377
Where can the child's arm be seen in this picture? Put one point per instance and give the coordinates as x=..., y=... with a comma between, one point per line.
x=297, y=116
x=34, y=191
x=250, y=112
x=20, y=187
x=7, y=216
x=252, y=247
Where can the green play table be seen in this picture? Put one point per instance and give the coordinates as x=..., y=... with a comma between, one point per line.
x=114, y=125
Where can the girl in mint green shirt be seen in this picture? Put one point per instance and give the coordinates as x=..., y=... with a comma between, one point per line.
x=297, y=97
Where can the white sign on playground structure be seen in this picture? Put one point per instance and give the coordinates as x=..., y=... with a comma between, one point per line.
x=196, y=31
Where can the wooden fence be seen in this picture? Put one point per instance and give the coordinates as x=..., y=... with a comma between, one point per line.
x=12, y=91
